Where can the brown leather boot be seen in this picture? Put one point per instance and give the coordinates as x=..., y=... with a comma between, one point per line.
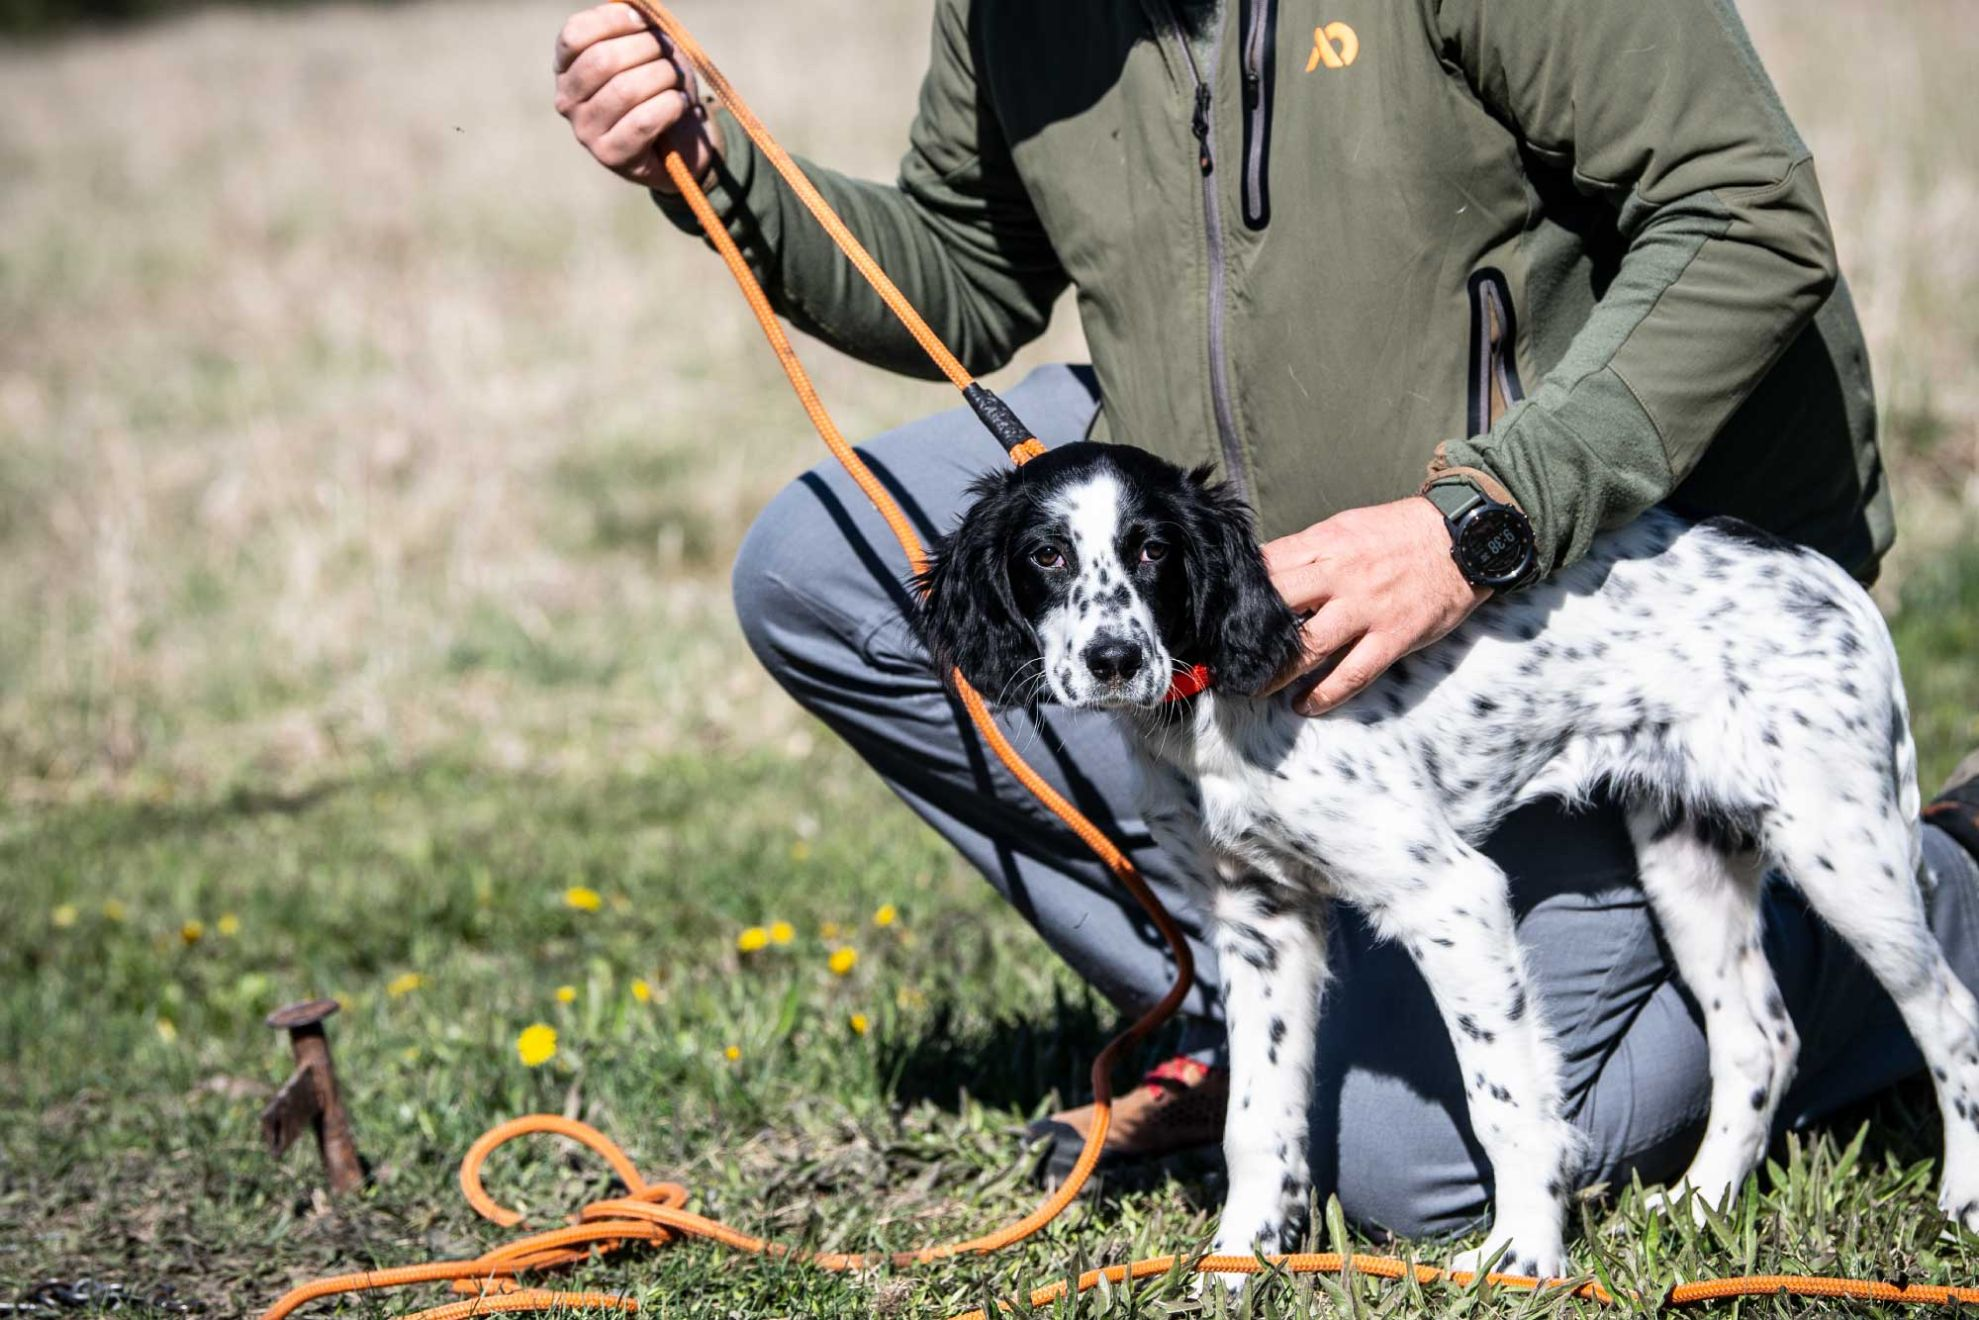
x=1177, y=1107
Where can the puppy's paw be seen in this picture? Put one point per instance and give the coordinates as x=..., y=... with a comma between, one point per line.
x=1230, y=1285
x=1688, y=1197
x=1959, y=1199
x=1271, y=1220
x=1256, y=1225
x=1669, y=1201
x=1536, y=1255
x=1272, y=1235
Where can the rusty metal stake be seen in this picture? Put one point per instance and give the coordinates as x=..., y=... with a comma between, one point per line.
x=309, y=1098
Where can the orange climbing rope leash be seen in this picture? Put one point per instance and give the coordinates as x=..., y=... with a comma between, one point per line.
x=656, y=1213
x=651, y=1212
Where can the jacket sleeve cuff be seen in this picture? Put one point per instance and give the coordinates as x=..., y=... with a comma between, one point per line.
x=1441, y=467
x=738, y=187
x=1591, y=460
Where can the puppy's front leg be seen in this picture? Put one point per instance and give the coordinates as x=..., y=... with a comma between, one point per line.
x=1457, y=925
x=1271, y=951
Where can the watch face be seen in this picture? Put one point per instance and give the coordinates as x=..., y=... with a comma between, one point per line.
x=1495, y=547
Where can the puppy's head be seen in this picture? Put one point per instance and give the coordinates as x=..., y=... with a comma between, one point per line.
x=1093, y=574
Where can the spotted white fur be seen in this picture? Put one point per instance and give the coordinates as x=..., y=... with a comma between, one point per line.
x=1739, y=696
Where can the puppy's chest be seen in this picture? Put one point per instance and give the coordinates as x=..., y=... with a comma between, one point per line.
x=1244, y=827
x=1249, y=798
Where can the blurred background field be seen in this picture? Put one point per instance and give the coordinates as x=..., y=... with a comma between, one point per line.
x=370, y=464
x=349, y=413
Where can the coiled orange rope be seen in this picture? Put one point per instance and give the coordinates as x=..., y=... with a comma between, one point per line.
x=654, y=1213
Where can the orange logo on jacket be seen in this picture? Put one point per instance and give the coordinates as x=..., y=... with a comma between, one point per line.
x=1334, y=45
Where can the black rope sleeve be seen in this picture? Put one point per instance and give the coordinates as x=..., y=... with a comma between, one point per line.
x=995, y=414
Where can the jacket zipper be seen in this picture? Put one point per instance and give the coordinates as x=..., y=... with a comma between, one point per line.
x=1260, y=24
x=1493, y=384
x=1201, y=124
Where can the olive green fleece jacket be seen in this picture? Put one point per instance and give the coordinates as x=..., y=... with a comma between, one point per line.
x=1576, y=243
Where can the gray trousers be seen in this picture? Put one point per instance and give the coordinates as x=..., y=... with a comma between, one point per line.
x=819, y=587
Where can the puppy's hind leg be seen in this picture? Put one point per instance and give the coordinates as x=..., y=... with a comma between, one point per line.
x=1271, y=951
x=1862, y=877
x=1707, y=902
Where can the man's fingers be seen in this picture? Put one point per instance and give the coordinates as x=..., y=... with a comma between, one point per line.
x=1325, y=635
x=1306, y=586
x=587, y=27
x=1368, y=660
x=635, y=134
x=1286, y=552
x=625, y=92
x=596, y=65
x=1319, y=637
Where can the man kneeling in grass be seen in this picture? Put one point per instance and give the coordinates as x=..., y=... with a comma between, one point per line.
x=1569, y=258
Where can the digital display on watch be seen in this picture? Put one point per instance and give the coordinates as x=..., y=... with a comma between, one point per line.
x=1494, y=546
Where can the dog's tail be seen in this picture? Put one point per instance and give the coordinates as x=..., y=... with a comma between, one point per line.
x=1869, y=628
x=1874, y=631
x=1903, y=769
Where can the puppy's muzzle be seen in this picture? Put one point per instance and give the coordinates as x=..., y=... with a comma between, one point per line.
x=1113, y=661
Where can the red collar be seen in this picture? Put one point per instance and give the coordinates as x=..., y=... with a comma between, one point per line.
x=1188, y=683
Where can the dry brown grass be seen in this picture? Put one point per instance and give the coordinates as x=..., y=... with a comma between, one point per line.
x=1881, y=94
x=348, y=414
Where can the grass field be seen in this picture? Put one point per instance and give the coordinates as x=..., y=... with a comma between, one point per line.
x=369, y=468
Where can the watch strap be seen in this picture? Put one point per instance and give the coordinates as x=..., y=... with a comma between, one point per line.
x=1441, y=469
x=1453, y=497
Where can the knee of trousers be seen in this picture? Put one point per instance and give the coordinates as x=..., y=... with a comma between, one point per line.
x=1405, y=1164
x=1410, y=1203
x=800, y=589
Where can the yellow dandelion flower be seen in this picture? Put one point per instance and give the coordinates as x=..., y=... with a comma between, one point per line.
x=63, y=917
x=829, y=931
x=192, y=932
x=886, y=915
x=859, y=1023
x=584, y=900
x=566, y=994
x=800, y=851
x=642, y=992
x=782, y=932
x=842, y=961
x=167, y=1032
x=228, y=925
x=410, y=1054
x=537, y=1045
x=404, y=984
x=732, y=1053
x=114, y=910
x=752, y=939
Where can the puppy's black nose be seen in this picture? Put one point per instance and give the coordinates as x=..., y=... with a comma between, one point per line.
x=1113, y=661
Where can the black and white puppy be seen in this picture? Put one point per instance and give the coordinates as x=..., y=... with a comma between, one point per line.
x=1739, y=696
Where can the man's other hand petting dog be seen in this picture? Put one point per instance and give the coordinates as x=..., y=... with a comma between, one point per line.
x=1739, y=696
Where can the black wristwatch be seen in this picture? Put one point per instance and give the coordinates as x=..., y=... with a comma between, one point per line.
x=1492, y=542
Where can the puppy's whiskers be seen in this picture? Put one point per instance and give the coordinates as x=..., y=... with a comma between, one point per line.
x=1023, y=676
x=1173, y=714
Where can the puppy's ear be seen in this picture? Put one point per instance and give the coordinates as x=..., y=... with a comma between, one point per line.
x=969, y=617
x=1245, y=632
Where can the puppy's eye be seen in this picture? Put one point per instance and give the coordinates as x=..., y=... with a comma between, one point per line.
x=1047, y=556
x=1153, y=552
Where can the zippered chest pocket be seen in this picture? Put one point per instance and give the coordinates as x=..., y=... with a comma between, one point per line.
x=1493, y=374
x=1259, y=36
